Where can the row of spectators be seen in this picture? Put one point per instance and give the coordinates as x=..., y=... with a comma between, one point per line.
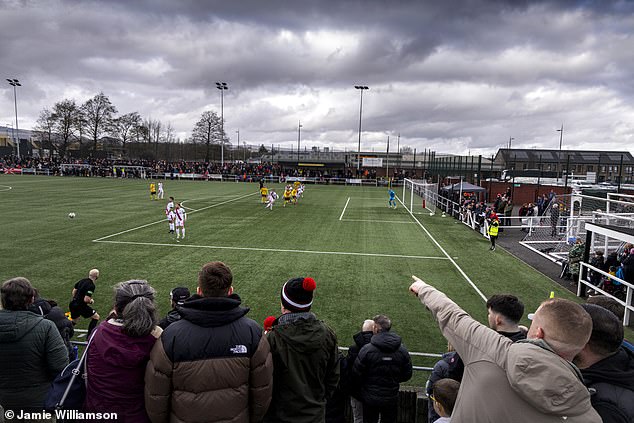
x=206, y=358
x=618, y=263
x=117, y=168
x=211, y=360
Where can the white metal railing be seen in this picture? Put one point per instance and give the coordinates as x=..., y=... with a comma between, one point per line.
x=629, y=294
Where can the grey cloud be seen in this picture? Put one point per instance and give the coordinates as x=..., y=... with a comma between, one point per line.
x=470, y=73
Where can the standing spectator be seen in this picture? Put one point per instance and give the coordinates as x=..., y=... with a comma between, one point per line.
x=531, y=381
x=65, y=328
x=575, y=255
x=554, y=220
x=360, y=340
x=305, y=358
x=494, y=225
x=501, y=210
x=598, y=262
x=504, y=314
x=178, y=296
x=450, y=366
x=119, y=352
x=32, y=352
x=508, y=212
x=608, y=367
x=381, y=366
x=80, y=305
x=212, y=365
x=444, y=398
x=628, y=267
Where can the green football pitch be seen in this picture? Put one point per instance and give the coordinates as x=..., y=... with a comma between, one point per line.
x=360, y=252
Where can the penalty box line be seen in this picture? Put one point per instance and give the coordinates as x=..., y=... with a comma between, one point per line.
x=464, y=275
x=163, y=220
x=273, y=250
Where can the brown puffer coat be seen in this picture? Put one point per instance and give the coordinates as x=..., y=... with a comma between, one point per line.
x=213, y=365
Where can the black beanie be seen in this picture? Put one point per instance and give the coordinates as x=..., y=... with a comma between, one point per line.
x=297, y=294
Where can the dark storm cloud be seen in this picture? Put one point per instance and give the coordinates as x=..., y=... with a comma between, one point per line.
x=467, y=72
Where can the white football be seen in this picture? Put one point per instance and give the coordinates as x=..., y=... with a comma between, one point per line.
x=431, y=214
x=71, y=215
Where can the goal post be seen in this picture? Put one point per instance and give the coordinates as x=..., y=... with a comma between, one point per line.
x=419, y=196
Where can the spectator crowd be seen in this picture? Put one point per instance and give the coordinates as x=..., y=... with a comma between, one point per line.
x=208, y=361
x=246, y=171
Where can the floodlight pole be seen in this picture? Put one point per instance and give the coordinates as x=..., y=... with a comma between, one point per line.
x=299, y=134
x=222, y=86
x=360, y=88
x=561, y=137
x=15, y=83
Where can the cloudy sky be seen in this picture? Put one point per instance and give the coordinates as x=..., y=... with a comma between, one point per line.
x=451, y=76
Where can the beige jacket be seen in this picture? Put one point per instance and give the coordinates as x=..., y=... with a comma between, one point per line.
x=506, y=382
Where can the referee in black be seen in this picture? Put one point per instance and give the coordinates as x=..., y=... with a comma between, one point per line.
x=81, y=304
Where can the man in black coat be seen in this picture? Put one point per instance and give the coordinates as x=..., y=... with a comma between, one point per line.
x=381, y=366
x=607, y=367
x=360, y=340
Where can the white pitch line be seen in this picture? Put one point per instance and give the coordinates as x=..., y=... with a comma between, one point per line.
x=344, y=208
x=445, y=253
x=378, y=221
x=274, y=250
x=187, y=208
x=163, y=220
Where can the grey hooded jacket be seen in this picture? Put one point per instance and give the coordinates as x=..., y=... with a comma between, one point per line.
x=522, y=382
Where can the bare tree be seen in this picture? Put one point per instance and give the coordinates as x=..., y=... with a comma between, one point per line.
x=123, y=127
x=45, y=125
x=80, y=125
x=65, y=115
x=99, y=113
x=207, y=130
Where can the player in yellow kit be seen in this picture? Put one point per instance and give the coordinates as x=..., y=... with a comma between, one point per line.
x=287, y=195
x=153, y=191
x=296, y=184
x=264, y=192
x=294, y=195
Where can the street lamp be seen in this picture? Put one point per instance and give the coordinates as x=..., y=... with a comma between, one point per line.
x=510, y=139
x=222, y=86
x=561, y=137
x=238, y=132
x=360, y=88
x=299, y=134
x=15, y=83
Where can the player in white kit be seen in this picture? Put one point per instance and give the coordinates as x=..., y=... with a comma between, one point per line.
x=180, y=219
x=160, y=190
x=168, y=209
x=270, y=199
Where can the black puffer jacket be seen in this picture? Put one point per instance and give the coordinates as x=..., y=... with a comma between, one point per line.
x=65, y=328
x=172, y=316
x=382, y=365
x=361, y=339
x=611, y=382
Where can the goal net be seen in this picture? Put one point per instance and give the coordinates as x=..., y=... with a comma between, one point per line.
x=419, y=196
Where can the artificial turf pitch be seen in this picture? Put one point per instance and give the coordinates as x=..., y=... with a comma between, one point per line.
x=360, y=252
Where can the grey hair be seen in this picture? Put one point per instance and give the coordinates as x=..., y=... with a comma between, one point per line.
x=135, y=305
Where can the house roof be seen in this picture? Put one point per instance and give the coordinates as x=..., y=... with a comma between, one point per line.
x=556, y=156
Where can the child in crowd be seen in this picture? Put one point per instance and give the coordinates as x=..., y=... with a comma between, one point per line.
x=444, y=398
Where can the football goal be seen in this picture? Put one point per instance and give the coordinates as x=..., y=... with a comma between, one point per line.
x=419, y=196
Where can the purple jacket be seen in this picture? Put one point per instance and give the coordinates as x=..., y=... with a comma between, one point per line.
x=116, y=369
